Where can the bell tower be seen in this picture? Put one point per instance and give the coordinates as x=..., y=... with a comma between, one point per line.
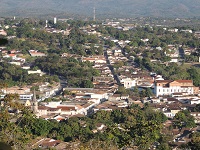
x=34, y=103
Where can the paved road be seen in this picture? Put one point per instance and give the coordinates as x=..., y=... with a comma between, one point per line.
x=110, y=66
x=63, y=84
x=181, y=53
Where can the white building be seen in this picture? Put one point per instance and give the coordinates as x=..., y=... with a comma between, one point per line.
x=59, y=108
x=169, y=114
x=187, y=31
x=129, y=83
x=174, y=59
x=158, y=77
x=173, y=30
x=168, y=87
x=36, y=72
x=22, y=96
x=100, y=61
x=155, y=100
x=24, y=93
x=194, y=101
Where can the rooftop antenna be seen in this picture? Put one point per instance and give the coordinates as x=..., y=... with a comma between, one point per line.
x=94, y=17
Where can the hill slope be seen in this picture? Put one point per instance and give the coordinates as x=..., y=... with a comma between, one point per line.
x=115, y=8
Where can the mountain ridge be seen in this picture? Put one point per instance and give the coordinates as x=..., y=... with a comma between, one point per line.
x=115, y=8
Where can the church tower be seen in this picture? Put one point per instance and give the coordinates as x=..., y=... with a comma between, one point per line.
x=34, y=103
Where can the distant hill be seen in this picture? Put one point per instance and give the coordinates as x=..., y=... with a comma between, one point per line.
x=104, y=8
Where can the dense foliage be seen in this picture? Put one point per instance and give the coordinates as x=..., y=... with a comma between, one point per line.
x=184, y=119
x=157, y=36
x=10, y=132
x=133, y=126
x=171, y=71
x=77, y=73
x=29, y=36
x=14, y=75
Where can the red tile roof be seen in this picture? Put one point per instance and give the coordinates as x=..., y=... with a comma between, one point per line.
x=12, y=55
x=184, y=81
x=42, y=107
x=163, y=81
x=66, y=108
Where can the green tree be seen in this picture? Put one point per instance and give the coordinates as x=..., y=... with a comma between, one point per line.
x=121, y=90
x=136, y=91
x=10, y=132
x=194, y=75
x=87, y=84
x=184, y=119
x=148, y=92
